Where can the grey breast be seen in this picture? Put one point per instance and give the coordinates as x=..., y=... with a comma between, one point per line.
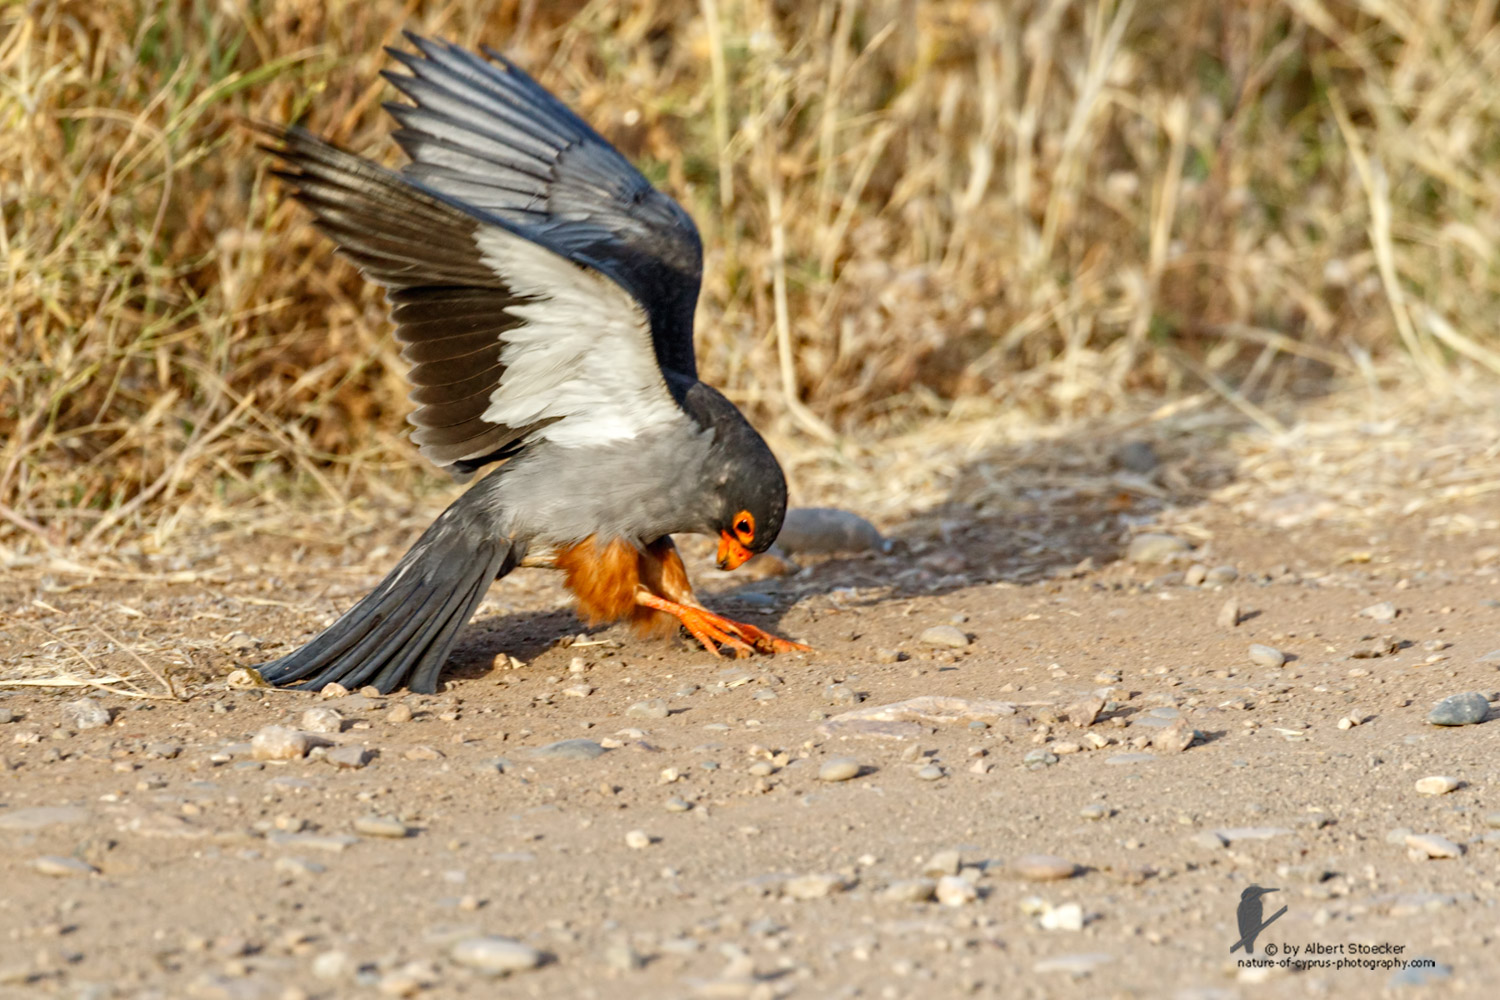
x=637, y=490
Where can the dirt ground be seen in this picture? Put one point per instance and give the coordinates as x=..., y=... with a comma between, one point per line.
x=155, y=857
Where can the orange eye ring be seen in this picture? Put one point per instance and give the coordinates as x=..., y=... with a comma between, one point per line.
x=744, y=527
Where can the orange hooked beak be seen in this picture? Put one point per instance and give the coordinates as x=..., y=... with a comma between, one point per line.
x=731, y=553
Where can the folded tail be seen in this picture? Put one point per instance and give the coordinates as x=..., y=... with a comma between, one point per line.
x=402, y=632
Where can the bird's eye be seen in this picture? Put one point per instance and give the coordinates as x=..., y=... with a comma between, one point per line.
x=744, y=527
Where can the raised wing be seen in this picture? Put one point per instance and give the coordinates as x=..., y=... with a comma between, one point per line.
x=489, y=136
x=509, y=339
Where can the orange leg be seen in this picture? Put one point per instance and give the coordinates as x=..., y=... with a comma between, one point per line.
x=664, y=587
x=716, y=631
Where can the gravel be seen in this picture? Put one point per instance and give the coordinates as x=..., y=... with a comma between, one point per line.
x=1465, y=709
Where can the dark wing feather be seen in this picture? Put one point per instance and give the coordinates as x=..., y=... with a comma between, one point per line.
x=450, y=307
x=488, y=135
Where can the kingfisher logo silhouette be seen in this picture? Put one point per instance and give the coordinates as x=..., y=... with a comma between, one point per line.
x=1249, y=914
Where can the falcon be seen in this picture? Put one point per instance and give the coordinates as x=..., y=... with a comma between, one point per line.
x=543, y=294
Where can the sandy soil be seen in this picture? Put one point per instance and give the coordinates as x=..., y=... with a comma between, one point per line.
x=168, y=862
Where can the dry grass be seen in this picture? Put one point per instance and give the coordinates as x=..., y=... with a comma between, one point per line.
x=909, y=208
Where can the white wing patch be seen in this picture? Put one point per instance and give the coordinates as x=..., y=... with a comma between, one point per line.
x=583, y=356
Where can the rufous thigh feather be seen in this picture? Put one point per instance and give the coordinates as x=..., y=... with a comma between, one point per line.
x=604, y=578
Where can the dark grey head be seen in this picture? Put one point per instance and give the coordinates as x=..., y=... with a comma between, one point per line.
x=745, y=499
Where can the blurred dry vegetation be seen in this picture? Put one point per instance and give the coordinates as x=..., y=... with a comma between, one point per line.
x=912, y=209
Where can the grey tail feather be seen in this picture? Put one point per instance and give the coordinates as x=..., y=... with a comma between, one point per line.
x=402, y=631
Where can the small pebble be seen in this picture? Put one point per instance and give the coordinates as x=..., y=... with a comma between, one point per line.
x=279, y=743
x=816, y=886
x=1096, y=811
x=1195, y=575
x=423, y=753
x=954, y=891
x=838, y=769
x=1229, y=614
x=651, y=708
x=332, y=965
x=638, y=840
x=381, y=826
x=1430, y=845
x=1437, y=785
x=678, y=804
x=1465, y=709
x=322, y=720
x=333, y=689
x=291, y=865
x=889, y=656
x=840, y=694
x=1136, y=456
x=929, y=772
x=1156, y=549
x=1383, y=612
x=948, y=636
x=914, y=890
x=1044, y=867
x=1174, y=738
x=1221, y=575
x=942, y=863
x=620, y=957
x=1266, y=656
x=399, y=712
x=62, y=867
x=496, y=955
x=85, y=713
x=1068, y=917
x=827, y=530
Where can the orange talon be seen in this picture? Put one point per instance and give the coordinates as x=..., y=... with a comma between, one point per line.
x=714, y=630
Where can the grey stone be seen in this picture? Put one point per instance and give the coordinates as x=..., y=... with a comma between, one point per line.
x=825, y=531
x=1136, y=456
x=61, y=867
x=651, y=708
x=1130, y=758
x=576, y=749
x=85, y=713
x=815, y=886
x=1433, y=846
x=1465, y=709
x=322, y=720
x=1221, y=575
x=1267, y=656
x=1383, y=612
x=349, y=756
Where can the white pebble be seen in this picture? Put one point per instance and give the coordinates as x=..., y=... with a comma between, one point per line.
x=638, y=839
x=279, y=743
x=838, y=769
x=949, y=636
x=497, y=955
x=322, y=720
x=1430, y=845
x=1437, y=784
x=954, y=891
x=1068, y=917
